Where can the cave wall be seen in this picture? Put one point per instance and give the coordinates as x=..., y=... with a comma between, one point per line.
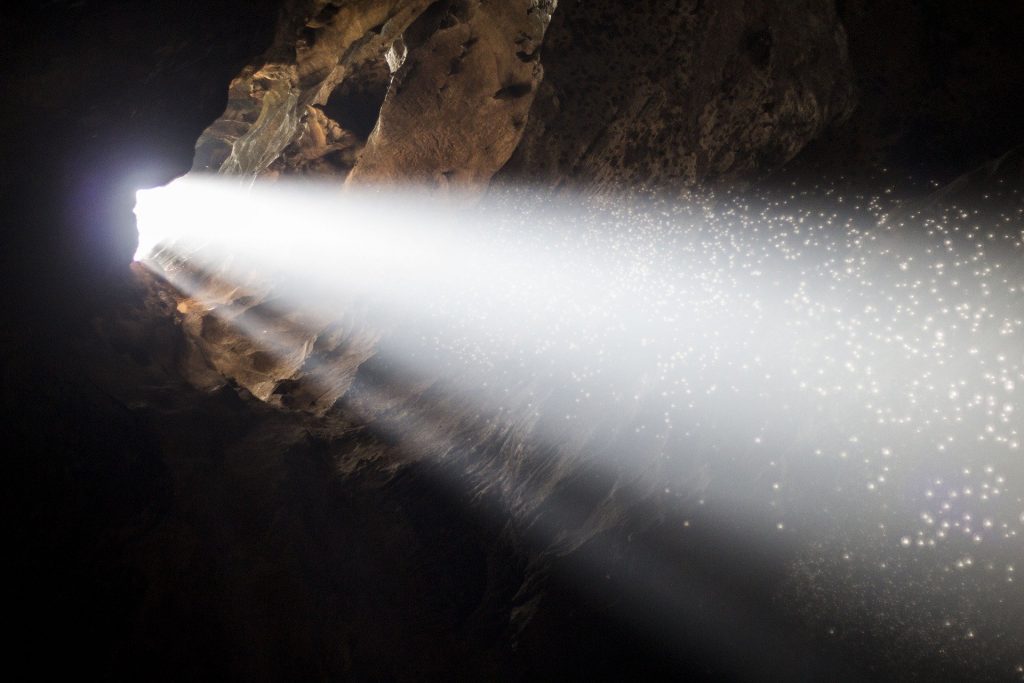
x=461, y=98
x=675, y=94
x=938, y=86
x=459, y=81
x=275, y=100
x=662, y=94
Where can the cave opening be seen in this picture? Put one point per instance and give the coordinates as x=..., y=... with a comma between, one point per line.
x=357, y=101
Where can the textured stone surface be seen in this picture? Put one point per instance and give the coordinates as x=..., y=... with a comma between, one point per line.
x=657, y=94
x=675, y=93
x=636, y=93
x=464, y=76
x=459, y=102
x=311, y=364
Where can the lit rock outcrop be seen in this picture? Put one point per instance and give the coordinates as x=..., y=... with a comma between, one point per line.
x=459, y=78
x=443, y=93
x=460, y=100
x=184, y=505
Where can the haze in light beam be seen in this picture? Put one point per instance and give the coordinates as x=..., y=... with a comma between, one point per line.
x=854, y=387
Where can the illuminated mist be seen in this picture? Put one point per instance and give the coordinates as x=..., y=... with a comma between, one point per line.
x=842, y=386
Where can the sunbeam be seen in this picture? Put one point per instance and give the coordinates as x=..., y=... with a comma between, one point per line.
x=844, y=385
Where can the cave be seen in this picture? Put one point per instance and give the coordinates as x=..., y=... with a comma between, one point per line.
x=399, y=340
x=356, y=103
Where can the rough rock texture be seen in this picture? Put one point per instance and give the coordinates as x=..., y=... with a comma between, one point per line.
x=669, y=93
x=664, y=94
x=102, y=98
x=460, y=79
x=703, y=91
x=460, y=100
x=309, y=366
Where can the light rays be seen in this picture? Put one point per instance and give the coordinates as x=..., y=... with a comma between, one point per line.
x=787, y=356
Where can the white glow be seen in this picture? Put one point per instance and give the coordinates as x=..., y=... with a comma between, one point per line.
x=839, y=381
x=762, y=308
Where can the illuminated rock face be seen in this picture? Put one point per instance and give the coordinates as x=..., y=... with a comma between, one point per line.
x=448, y=94
x=459, y=82
x=165, y=531
x=635, y=93
x=270, y=116
x=443, y=94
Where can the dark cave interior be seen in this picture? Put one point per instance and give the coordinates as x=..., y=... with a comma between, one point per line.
x=163, y=528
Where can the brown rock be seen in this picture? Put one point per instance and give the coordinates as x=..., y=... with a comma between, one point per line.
x=669, y=93
x=459, y=102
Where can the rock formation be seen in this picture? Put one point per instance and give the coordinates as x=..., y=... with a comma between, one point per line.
x=680, y=93
x=458, y=78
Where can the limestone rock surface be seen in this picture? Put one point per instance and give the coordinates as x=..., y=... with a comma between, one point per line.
x=441, y=90
x=461, y=99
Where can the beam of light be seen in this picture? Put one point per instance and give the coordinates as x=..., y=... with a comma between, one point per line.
x=853, y=387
